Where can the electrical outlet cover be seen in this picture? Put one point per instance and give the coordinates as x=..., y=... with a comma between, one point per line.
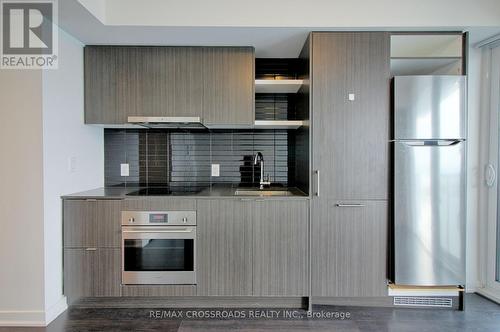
x=124, y=169
x=215, y=170
x=72, y=164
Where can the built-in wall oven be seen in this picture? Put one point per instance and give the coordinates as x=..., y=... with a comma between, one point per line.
x=158, y=247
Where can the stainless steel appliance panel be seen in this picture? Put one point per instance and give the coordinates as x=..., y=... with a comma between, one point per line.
x=167, y=218
x=158, y=277
x=429, y=212
x=429, y=107
x=158, y=247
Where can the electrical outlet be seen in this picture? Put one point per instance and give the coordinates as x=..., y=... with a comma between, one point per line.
x=124, y=170
x=215, y=169
x=352, y=97
x=72, y=164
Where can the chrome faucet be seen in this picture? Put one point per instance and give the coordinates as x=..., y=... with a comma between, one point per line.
x=259, y=158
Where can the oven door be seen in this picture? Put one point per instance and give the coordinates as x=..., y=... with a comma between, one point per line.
x=158, y=255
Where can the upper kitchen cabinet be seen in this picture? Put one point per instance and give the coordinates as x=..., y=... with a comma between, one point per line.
x=142, y=81
x=213, y=83
x=228, y=86
x=169, y=82
x=350, y=114
x=110, y=84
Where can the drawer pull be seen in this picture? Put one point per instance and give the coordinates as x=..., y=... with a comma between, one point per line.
x=90, y=249
x=349, y=205
x=317, y=183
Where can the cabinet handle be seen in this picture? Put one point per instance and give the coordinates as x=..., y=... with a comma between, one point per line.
x=317, y=182
x=349, y=205
x=90, y=249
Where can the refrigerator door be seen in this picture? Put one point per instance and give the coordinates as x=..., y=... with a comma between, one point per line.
x=429, y=213
x=429, y=107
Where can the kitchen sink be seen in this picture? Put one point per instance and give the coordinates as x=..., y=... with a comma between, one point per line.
x=263, y=192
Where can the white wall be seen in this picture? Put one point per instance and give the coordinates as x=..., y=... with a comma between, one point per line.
x=21, y=198
x=64, y=137
x=41, y=128
x=474, y=172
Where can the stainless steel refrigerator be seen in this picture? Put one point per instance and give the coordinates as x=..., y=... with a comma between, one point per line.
x=429, y=193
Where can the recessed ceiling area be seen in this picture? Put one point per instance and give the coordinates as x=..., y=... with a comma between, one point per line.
x=403, y=46
x=295, y=13
x=84, y=20
x=426, y=54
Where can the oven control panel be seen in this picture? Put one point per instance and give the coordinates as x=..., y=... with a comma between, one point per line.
x=167, y=218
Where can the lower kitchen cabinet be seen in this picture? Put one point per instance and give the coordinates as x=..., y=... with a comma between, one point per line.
x=109, y=272
x=80, y=223
x=349, y=248
x=244, y=247
x=108, y=216
x=280, y=248
x=92, y=223
x=252, y=247
x=224, y=247
x=79, y=272
x=92, y=272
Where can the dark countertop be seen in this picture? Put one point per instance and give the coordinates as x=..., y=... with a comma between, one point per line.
x=216, y=190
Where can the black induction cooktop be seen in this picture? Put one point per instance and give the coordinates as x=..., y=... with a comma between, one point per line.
x=164, y=191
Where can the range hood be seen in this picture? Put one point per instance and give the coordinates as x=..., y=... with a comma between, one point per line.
x=167, y=122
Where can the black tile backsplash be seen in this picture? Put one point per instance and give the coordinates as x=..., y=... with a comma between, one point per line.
x=275, y=106
x=184, y=158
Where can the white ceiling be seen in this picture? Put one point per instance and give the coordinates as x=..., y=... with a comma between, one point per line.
x=296, y=13
x=274, y=41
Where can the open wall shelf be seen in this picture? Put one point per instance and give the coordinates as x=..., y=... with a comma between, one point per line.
x=277, y=93
x=278, y=86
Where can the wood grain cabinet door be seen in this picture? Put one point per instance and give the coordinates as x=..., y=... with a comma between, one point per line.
x=107, y=273
x=349, y=248
x=280, y=248
x=224, y=247
x=123, y=81
x=79, y=223
x=92, y=272
x=110, y=84
x=228, y=85
x=92, y=223
x=188, y=81
x=108, y=222
x=79, y=273
x=350, y=137
x=169, y=81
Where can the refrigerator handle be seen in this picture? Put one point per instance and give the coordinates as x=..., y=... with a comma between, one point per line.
x=437, y=142
x=490, y=175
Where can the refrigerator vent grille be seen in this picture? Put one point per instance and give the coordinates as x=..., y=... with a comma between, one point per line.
x=443, y=302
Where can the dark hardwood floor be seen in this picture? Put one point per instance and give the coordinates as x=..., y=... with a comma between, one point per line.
x=480, y=315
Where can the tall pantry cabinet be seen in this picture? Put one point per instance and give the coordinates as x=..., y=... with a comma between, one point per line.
x=350, y=94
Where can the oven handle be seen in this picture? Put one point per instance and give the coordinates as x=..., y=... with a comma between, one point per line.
x=161, y=231
x=181, y=231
